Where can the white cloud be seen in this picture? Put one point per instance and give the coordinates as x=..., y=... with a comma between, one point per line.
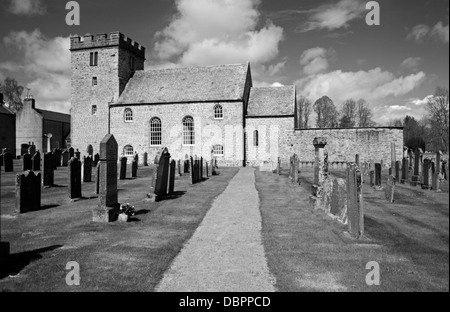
x=46, y=61
x=261, y=84
x=205, y=32
x=411, y=63
x=314, y=61
x=334, y=15
x=441, y=32
x=422, y=32
x=421, y=102
x=419, y=33
x=27, y=7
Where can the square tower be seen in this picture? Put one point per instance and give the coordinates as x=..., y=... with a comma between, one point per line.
x=101, y=68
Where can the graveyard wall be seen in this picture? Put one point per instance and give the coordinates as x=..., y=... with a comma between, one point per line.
x=208, y=131
x=8, y=132
x=113, y=72
x=372, y=144
x=29, y=127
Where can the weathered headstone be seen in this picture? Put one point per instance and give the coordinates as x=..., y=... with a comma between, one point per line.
x=319, y=172
x=444, y=170
x=377, y=174
x=372, y=178
x=123, y=168
x=71, y=153
x=201, y=169
x=279, y=166
x=398, y=164
x=179, y=168
x=357, y=160
x=405, y=169
x=338, y=203
x=32, y=149
x=393, y=156
x=26, y=162
x=192, y=170
x=426, y=174
x=97, y=184
x=90, y=150
x=49, y=173
x=207, y=169
x=163, y=174
x=389, y=190
x=296, y=169
x=28, y=192
x=415, y=178
x=65, y=159
x=36, y=161
x=96, y=159
x=78, y=154
x=87, y=169
x=4, y=246
x=58, y=156
x=146, y=159
x=8, y=162
x=106, y=211
x=75, y=178
x=134, y=168
x=1, y=160
x=355, y=201
x=187, y=165
x=172, y=170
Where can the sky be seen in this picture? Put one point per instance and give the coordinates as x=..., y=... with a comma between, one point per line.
x=323, y=47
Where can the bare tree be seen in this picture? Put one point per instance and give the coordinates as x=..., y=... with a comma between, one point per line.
x=348, y=114
x=327, y=114
x=304, y=112
x=438, y=112
x=364, y=114
x=12, y=93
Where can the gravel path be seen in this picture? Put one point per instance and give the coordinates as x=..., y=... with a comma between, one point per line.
x=225, y=254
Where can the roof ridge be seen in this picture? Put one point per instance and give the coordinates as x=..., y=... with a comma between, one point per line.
x=195, y=67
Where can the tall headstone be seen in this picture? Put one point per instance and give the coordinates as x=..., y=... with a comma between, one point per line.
x=377, y=174
x=134, y=168
x=8, y=162
x=389, y=190
x=58, y=155
x=207, y=169
x=96, y=159
x=426, y=174
x=179, y=168
x=405, y=170
x=36, y=161
x=187, y=165
x=355, y=201
x=172, y=170
x=398, y=165
x=75, y=178
x=1, y=160
x=26, y=162
x=106, y=211
x=78, y=154
x=437, y=172
x=146, y=159
x=71, y=152
x=4, y=246
x=357, y=160
x=201, y=169
x=65, y=158
x=163, y=174
x=372, y=178
x=296, y=168
x=192, y=170
x=123, y=168
x=444, y=170
x=97, y=178
x=28, y=192
x=279, y=166
x=32, y=149
x=393, y=156
x=87, y=169
x=90, y=150
x=319, y=166
x=49, y=173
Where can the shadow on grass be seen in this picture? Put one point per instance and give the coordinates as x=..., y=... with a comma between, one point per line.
x=17, y=262
x=142, y=212
x=174, y=195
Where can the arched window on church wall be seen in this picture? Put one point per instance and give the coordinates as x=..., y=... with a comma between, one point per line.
x=155, y=132
x=188, y=131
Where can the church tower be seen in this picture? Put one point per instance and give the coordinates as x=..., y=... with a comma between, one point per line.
x=101, y=68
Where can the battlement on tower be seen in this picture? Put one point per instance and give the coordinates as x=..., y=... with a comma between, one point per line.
x=115, y=39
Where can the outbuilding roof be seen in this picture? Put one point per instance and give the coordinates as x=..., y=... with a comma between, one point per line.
x=271, y=101
x=54, y=116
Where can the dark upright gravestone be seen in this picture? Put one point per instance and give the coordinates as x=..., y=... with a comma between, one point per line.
x=106, y=211
x=357, y=159
x=207, y=169
x=437, y=172
x=372, y=178
x=200, y=170
x=163, y=174
x=32, y=149
x=179, y=168
x=123, y=168
x=8, y=162
x=145, y=159
x=172, y=170
x=4, y=246
x=65, y=159
x=186, y=166
x=354, y=201
x=58, y=155
x=192, y=171
x=405, y=169
x=87, y=169
x=28, y=192
x=36, y=161
x=426, y=174
x=1, y=160
x=54, y=162
x=75, y=178
x=444, y=170
x=134, y=168
x=48, y=169
x=415, y=177
x=26, y=162
x=78, y=154
x=279, y=166
x=377, y=174
x=96, y=159
x=389, y=191
x=71, y=153
x=97, y=178
x=90, y=150
x=397, y=170
x=152, y=195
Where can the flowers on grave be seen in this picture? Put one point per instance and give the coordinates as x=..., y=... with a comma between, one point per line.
x=127, y=209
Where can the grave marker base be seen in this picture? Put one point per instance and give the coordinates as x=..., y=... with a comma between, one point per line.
x=104, y=214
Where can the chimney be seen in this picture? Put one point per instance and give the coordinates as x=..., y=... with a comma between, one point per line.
x=30, y=99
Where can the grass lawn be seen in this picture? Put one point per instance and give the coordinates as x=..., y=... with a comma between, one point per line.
x=307, y=250
x=113, y=257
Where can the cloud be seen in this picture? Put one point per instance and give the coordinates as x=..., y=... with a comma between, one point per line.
x=46, y=61
x=314, y=61
x=421, y=102
x=261, y=84
x=422, y=32
x=27, y=7
x=333, y=16
x=411, y=63
x=205, y=32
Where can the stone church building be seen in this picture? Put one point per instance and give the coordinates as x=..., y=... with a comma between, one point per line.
x=197, y=110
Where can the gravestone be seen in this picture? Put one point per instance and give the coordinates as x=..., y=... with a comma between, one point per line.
x=355, y=207
x=90, y=150
x=296, y=168
x=32, y=149
x=207, y=169
x=338, y=203
x=78, y=154
x=75, y=178
x=134, y=168
x=415, y=178
x=393, y=156
x=96, y=159
x=97, y=184
x=65, y=159
x=377, y=174
x=1, y=160
x=152, y=194
x=279, y=166
x=4, y=246
x=437, y=172
x=26, y=162
x=172, y=170
x=397, y=170
x=426, y=174
x=87, y=169
x=187, y=165
x=201, y=169
x=58, y=155
x=28, y=192
x=123, y=168
x=405, y=169
x=357, y=160
x=54, y=162
x=192, y=171
x=390, y=189
x=71, y=153
x=444, y=170
x=8, y=162
x=163, y=174
x=146, y=159
x=49, y=173
x=36, y=161
x=179, y=167
x=372, y=178
x=106, y=211
x=319, y=165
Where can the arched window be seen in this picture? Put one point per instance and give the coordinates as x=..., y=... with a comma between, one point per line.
x=155, y=132
x=218, y=112
x=188, y=131
x=128, y=115
x=255, y=138
x=218, y=150
x=128, y=150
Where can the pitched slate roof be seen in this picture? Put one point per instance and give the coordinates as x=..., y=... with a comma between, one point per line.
x=54, y=116
x=5, y=110
x=271, y=101
x=190, y=84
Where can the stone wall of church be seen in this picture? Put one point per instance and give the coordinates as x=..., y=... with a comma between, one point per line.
x=208, y=130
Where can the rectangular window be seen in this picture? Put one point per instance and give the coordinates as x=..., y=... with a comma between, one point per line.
x=94, y=110
x=131, y=63
x=94, y=59
x=218, y=150
x=94, y=81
